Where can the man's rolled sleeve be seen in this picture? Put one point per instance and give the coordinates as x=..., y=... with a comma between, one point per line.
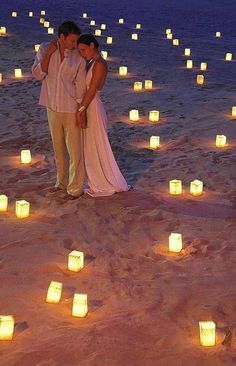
x=80, y=81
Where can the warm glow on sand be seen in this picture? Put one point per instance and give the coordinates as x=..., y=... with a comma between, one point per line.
x=22, y=209
x=104, y=54
x=50, y=30
x=207, y=331
x=75, y=261
x=175, y=187
x=6, y=327
x=54, y=292
x=134, y=36
x=123, y=70
x=196, y=187
x=228, y=57
x=138, y=85
x=189, y=64
x=3, y=203
x=175, y=42
x=154, y=142
x=98, y=32
x=234, y=111
x=80, y=305
x=154, y=116
x=220, y=140
x=3, y=30
x=25, y=157
x=203, y=66
x=118, y=274
x=18, y=73
x=187, y=52
x=134, y=115
x=200, y=79
x=175, y=242
x=148, y=84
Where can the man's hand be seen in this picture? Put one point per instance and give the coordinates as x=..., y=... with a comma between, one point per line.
x=81, y=119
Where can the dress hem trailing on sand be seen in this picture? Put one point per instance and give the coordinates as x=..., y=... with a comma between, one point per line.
x=103, y=173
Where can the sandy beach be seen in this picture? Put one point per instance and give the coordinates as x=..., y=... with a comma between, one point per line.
x=144, y=302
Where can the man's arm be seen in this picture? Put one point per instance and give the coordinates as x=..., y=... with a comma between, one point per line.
x=51, y=48
x=42, y=59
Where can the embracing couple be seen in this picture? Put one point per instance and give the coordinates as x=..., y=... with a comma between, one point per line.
x=73, y=73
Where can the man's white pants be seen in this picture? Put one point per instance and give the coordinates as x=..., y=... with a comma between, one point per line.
x=67, y=142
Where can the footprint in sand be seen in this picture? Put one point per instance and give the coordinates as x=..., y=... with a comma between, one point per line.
x=39, y=172
x=47, y=219
x=230, y=338
x=21, y=327
x=198, y=247
x=71, y=244
x=68, y=292
x=68, y=243
x=19, y=178
x=94, y=305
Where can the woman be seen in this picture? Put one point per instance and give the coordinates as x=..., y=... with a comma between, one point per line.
x=104, y=176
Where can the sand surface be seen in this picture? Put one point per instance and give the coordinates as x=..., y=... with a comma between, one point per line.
x=144, y=302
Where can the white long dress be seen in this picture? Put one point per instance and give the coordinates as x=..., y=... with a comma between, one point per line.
x=103, y=173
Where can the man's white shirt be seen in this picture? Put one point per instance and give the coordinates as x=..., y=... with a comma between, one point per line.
x=64, y=85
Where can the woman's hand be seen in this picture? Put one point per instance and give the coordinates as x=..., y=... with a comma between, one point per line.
x=81, y=119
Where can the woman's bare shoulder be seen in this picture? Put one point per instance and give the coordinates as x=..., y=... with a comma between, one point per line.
x=101, y=64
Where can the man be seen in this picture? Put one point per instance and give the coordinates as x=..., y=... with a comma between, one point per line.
x=62, y=71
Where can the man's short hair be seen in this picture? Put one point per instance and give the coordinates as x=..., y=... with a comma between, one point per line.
x=67, y=28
